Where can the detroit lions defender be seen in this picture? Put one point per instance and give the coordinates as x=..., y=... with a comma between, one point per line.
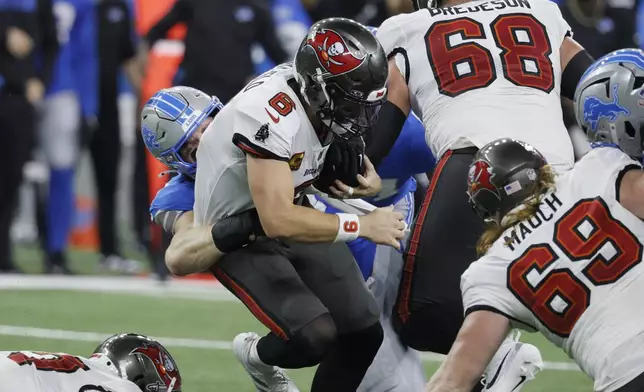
x=124, y=362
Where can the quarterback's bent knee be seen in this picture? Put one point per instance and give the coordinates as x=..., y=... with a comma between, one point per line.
x=316, y=338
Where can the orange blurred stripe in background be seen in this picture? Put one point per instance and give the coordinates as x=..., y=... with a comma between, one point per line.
x=163, y=62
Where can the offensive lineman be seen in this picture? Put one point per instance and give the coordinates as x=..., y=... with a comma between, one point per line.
x=562, y=255
x=122, y=363
x=254, y=155
x=473, y=71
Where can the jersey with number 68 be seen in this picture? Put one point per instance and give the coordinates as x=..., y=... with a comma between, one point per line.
x=574, y=272
x=266, y=120
x=484, y=70
x=27, y=371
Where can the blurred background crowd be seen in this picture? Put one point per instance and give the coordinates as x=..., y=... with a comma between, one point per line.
x=77, y=181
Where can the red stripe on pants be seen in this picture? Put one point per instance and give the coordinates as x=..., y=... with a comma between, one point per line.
x=410, y=256
x=250, y=303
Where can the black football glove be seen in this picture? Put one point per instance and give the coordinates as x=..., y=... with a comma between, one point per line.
x=344, y=161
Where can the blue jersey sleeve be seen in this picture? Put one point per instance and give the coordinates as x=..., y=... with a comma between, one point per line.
x=84, y=39
x=177, y=195
x=410, y=154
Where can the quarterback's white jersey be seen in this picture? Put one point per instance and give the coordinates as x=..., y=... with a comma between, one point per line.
x=484, y=70
x=27, y=371
x=266, y=119
x=574, y=272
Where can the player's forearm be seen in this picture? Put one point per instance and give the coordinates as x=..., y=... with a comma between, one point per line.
x=191, y=251
x=479, y=338
x=456, y=374
x=300, y=224
x=440, y=382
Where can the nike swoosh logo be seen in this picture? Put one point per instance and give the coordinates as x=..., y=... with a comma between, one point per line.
x=498, y=370
x=523, y=378
x=275, y=119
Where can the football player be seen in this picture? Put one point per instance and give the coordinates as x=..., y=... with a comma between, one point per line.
x=473, y=72
x=562, y=255
x=260, y=151
x=395, y=367
x=123, y=363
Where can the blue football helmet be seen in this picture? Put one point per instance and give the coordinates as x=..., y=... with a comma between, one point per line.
x=169, y=119
x=609, y=101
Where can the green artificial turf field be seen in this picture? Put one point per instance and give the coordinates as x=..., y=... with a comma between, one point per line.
x=206, y=327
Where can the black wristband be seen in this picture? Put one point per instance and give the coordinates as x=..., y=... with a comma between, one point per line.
x=236, y=231
x=384, y=134
x=574, y=71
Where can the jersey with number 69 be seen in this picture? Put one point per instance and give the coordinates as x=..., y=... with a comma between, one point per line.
x=484, y=70
x=574, y=272
x=27, y=371
x=266, y=120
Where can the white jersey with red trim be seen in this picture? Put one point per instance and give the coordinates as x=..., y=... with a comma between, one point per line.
x=484, y=70
x=267, y=120
x=574, y=272
x=27, y=371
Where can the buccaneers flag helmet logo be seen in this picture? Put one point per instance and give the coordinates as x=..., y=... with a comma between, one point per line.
x=480, y=177
x=163, y=363
x=333, y=53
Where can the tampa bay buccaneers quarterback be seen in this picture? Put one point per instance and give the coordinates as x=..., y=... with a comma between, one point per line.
x=261, y=150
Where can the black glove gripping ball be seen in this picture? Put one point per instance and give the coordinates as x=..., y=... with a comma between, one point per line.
x=344, y=161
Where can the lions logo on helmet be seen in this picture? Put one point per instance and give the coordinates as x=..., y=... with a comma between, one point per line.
x=608, y=101
x=150, y=137
x=596, y=109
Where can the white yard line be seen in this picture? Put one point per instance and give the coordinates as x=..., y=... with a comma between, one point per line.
x=198, y=290
x=95, y=337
